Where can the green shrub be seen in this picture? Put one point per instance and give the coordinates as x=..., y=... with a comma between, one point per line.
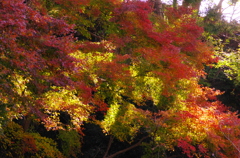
x=11, y=141
x=46, y=147
x=14, y=142
x=70, y=143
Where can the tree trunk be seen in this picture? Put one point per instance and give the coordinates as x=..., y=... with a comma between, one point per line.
x=158, y=7
x=194, y=4
x=219, y=6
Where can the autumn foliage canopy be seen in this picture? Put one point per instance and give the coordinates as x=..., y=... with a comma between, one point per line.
x=138, y=69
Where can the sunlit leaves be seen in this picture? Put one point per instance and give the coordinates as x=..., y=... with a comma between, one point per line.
x=230, y=63
x=65, y=100
x=123, y=120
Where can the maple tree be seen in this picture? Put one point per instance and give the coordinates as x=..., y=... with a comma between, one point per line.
x=138, y=69
x=36, y=62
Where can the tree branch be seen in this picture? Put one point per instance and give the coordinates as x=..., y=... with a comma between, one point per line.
x=129, y=148
x=109, y=145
